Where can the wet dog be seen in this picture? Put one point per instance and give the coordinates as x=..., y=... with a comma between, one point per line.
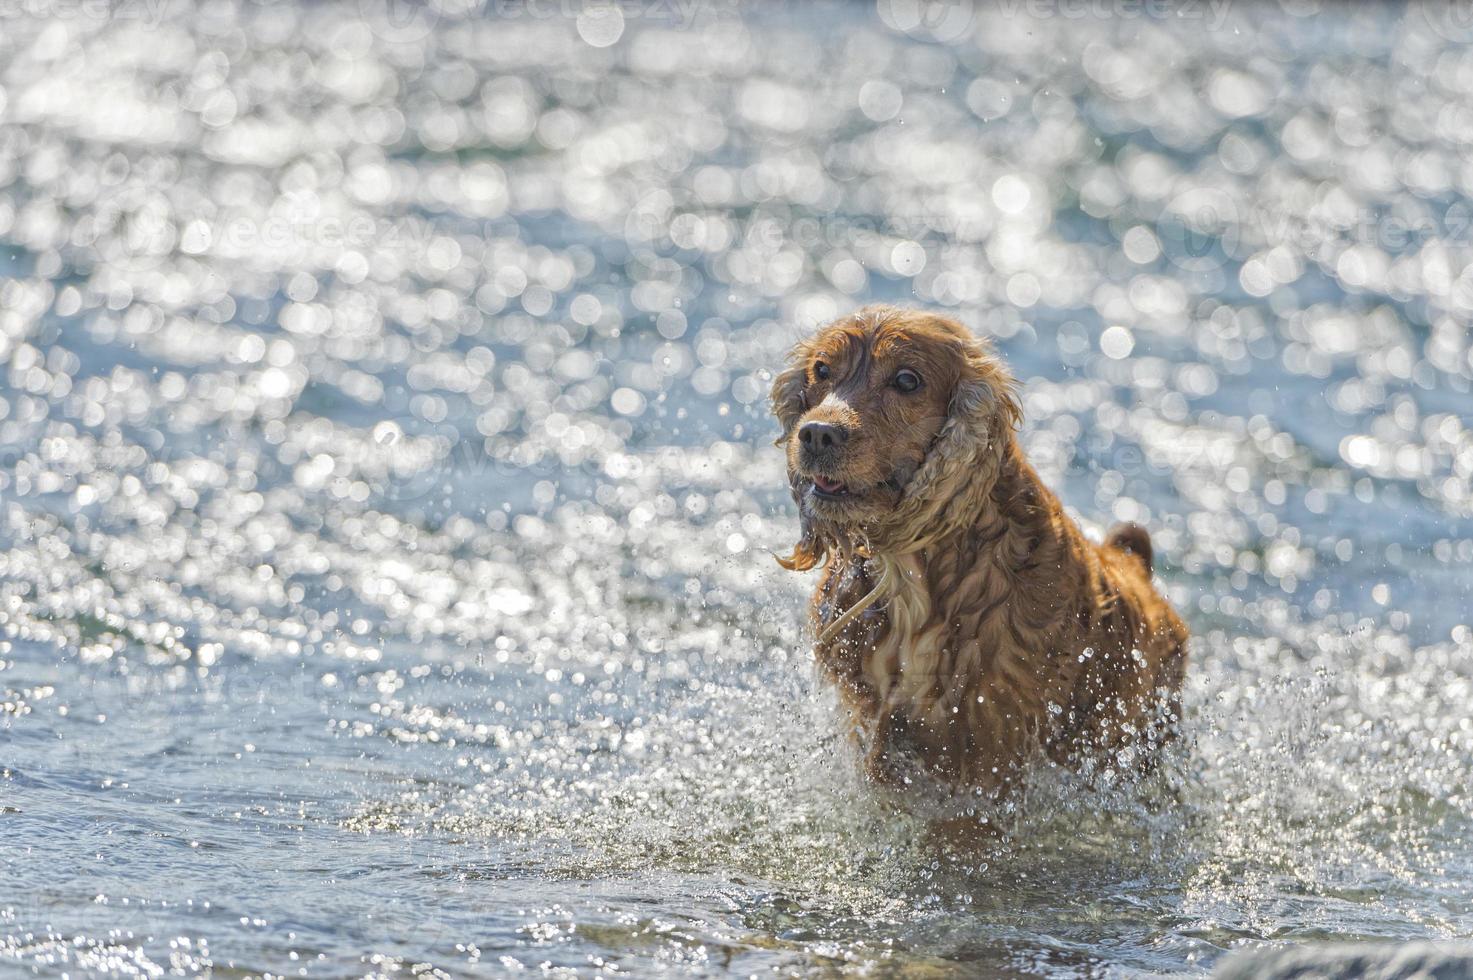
x=965, y=619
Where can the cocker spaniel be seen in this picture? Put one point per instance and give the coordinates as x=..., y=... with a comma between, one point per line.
x=965, y=619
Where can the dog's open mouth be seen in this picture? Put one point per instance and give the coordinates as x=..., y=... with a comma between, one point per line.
x=838, y=493
x=825, y=487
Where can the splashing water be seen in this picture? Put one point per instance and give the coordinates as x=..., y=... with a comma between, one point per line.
x=387, y=498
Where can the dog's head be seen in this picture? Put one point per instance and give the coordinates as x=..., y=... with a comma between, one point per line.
x=884, y=413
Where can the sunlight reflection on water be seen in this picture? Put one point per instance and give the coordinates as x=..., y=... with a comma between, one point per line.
x=387, y=491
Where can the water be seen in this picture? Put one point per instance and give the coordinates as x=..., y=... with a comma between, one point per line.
x=388, y=491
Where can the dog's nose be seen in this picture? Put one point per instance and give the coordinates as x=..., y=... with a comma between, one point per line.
x=819, y=437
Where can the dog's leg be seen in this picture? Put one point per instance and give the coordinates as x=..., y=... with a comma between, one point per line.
x=883, y=759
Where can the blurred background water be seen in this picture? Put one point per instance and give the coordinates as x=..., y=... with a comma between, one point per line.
x=387, y=487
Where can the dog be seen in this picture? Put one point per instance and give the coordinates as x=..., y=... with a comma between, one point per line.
x=965, y=619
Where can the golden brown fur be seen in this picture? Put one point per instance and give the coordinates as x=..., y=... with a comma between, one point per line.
x=997, y=629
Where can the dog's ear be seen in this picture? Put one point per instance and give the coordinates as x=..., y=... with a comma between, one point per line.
x=789, y=402
x=986, y=397
x=963, y=464
x=788, y=399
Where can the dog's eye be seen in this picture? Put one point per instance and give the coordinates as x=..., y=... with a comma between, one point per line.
x=907, y=380
x=821, y=371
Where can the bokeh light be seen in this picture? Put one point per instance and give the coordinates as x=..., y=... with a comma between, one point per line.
x=383, y=386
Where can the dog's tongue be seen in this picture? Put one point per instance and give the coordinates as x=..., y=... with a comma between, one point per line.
x=827, y=486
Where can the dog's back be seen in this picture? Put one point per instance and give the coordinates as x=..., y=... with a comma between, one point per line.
x=1132, y=687
x=1027, y=637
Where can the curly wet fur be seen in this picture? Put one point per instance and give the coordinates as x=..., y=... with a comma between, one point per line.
x=999, y=629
